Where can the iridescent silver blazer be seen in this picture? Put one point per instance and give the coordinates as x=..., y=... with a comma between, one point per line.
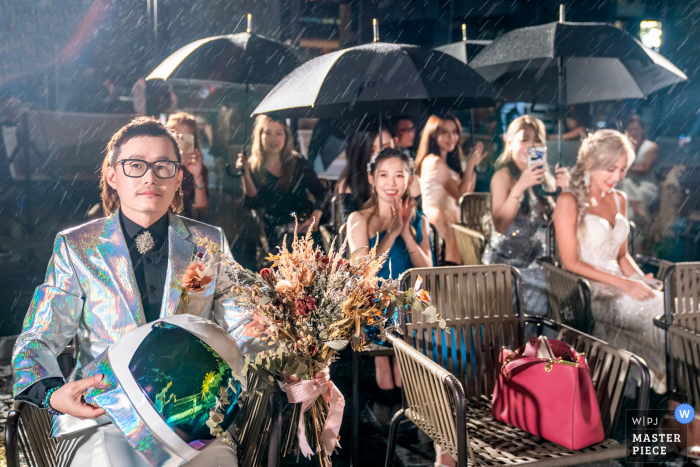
x=90, y=290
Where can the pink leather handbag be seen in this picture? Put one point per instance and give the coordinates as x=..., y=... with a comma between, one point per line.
x=549, y=396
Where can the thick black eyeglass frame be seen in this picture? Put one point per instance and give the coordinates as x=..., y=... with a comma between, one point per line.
x=149, y=165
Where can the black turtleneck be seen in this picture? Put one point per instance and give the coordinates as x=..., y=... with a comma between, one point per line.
x=151, y=267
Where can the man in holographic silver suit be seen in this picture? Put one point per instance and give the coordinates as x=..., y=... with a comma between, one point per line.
x=108, y=277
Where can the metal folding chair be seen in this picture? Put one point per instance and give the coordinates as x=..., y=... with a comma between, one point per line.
x=448, y=379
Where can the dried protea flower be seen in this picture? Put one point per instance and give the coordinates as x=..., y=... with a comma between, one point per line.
x=307, y=276
x=268, y=275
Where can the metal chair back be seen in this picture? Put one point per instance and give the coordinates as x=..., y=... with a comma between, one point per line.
x=477, y=303
x=569, y=297
x=473, y=209
x=471, y=244
x=684, y=303
x=28, y=431
x=436, y=246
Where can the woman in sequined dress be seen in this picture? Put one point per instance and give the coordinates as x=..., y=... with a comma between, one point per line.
x=518, y=213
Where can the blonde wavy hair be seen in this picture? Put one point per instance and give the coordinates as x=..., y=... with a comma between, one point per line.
x=506, y=157
x=599, y=151
x=257, y=154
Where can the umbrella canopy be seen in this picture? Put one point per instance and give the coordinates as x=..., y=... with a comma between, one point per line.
x=601, y=63
x=459, y=49
x=242, y=58
x=375, y=78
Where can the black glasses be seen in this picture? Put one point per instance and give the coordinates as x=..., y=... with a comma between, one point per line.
x=136, y=168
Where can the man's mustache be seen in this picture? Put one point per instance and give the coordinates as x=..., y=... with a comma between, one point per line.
x=157, y=191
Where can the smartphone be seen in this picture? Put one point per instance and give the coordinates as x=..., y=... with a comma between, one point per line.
x=535, y=155
x=186, y=143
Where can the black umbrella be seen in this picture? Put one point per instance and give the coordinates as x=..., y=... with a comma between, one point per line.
x=374, y=78
x=572, y=63
x=242, y=58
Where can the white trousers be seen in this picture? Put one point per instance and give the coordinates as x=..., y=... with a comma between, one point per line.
x=106, y=446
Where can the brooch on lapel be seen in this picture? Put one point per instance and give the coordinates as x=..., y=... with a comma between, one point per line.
x=144, y=242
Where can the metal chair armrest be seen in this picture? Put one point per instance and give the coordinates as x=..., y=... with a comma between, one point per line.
x=12, y=438
x=434, y=400
x=660, y=322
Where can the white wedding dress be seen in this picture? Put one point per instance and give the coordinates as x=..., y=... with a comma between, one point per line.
x=619, y=319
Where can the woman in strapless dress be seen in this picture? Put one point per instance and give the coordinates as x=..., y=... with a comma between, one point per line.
x=442, y=182
x=592, y=229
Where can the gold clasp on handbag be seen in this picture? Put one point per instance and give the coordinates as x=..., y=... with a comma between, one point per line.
x=508, y=359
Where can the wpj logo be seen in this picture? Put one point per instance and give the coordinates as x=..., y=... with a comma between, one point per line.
x=654, y=435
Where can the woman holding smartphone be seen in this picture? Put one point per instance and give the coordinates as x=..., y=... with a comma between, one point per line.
x=517, y=212
x=195, y=179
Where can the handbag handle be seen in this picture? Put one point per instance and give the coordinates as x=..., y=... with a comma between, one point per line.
x=525, y=357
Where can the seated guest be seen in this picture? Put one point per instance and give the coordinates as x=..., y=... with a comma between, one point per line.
x=278, y=182
x=195, y=176
x=403, y=132
x=390, y=223
x=592, y=229
x=518, y=213
x=442, y=182
x=640, y=184
x=574, y=126
x=353, y=186
x=110, y=276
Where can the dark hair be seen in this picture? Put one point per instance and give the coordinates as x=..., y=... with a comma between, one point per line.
x=389, y=153
x=358, y=155
x=575, y=113
x=139, y=126
x=384, y=154
x=635, y=119
x=394, y=124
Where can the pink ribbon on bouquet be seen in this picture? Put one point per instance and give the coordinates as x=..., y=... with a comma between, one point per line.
x=306, y=392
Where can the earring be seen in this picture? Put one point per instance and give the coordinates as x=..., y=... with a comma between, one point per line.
x=587, y=184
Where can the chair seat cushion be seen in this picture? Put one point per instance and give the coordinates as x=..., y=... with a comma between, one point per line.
x=495, y=443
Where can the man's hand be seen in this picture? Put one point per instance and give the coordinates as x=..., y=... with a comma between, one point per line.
x=69, y=399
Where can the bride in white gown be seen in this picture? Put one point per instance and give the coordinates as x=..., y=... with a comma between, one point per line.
x=591, y=232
